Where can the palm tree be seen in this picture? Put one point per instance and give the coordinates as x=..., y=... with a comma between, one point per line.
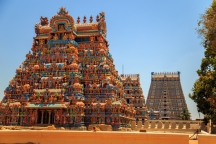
x=185, y=114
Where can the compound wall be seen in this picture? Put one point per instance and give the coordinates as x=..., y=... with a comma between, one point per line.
x=88, y=137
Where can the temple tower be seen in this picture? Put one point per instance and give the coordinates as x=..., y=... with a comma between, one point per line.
x=165, y=98
x=68, y=78
x=134, y=95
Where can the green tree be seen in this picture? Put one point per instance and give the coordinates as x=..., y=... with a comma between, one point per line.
x=185, y=114
x=204, y=89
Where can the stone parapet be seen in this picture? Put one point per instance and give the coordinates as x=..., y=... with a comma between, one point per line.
x=166, y=125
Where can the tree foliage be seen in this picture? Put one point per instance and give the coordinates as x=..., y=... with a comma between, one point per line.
x=204, y=89
x=185, y=114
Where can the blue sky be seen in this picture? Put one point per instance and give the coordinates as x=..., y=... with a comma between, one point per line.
x=144, y=35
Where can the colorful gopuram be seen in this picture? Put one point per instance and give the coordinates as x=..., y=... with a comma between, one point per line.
x=165, y=98
x=68, y=78
x=134, y=95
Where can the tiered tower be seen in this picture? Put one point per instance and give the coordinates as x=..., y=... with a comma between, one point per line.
x=134, y=95
x=165, y=98
x=68, y=78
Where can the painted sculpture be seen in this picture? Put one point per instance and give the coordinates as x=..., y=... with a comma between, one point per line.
x=68, y=78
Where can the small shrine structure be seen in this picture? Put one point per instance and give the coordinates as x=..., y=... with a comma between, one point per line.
x=134, y=95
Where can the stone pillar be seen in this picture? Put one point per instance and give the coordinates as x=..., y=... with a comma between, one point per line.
x=61, y=117
x=54, y=115
x=42, y=113
x=36, y=116
x=139, y=125
x=146, y=124
x=187, y=125
x=49, y=116
x=159, y=125
x=166, y=125
x=153, y=125
x=133, y=125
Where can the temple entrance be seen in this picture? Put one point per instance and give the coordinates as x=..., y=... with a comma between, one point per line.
x=45, y=117
x=39, y=117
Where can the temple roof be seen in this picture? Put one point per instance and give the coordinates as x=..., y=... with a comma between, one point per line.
x=131, y=76
x=165, y=74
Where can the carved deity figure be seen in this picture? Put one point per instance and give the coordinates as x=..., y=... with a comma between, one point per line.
x=50, y=83
x=92, y=39
x=34, y=96
x=65, y=36
x=65, y=120
x=61, y=97
x=61, y=27
x=57, y=117
x=44, y=21
x=26, y=88
x=41, y=42
x=55, y=37
x=13, y=119
x=71, y=36
x=44, y=51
